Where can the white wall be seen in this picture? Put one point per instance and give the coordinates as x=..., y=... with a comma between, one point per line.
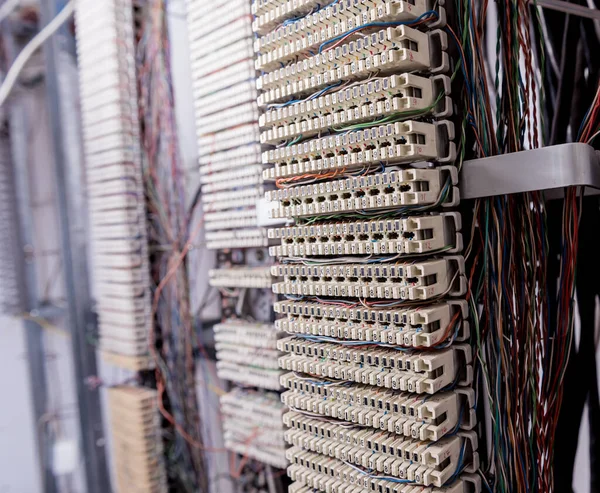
x=18, y=459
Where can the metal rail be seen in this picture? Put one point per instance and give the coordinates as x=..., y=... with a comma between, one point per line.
x=71, y=209
x=569, y=8
x=548, y=168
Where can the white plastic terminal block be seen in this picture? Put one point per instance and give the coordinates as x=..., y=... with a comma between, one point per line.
x=361, y=148
x=257, y=452
x=106, y=56
x=426, y=463
x=208, y=63
x=231, y=199
x=254, y=418
x=314, y=473
x=228, y=139
x=224, y=90
x=236, y=178
x=399, y=96
x=251, y=347
x=237, y=203
x=400, y=190
x=247, y=334
x=229, y=34
x=265, y=408
x=222, y=220
x=412, y=235
x=236, y=238
x=226, y=195
x=247, y=356
x=319, y=31
x=238, y=115
x=420, y=417
x=249, y=375
x=244, y=413
x=401, y=142
x=243, y=431
x=395, y=316
x=240, y=277
x=418, y=372
x=204, y=17
x=269, y=13
x=419, y=280
x=421, y=327
x=218, y=179
x=229, y=159
x=218, y=220
x=312, y=467
x=247, y=412
x=395, y=49
x=222, y=79
x=232, y=96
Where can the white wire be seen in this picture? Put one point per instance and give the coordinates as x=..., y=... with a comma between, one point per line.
x=39, y=39
x=593, y=137
x=7, y=8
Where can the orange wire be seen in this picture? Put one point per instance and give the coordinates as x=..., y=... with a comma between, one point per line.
x=323, y=176
x=159, y=376
x=237, y=474
x=169, y=417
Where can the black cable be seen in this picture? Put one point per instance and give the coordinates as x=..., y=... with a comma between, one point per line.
x=194, y=202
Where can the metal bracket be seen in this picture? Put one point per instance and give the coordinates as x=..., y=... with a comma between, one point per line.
x=548, y=168
x=568, y=8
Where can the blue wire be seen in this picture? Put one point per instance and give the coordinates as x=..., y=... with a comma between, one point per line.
x=379, y=24
x=314, y=96
x=459, y=468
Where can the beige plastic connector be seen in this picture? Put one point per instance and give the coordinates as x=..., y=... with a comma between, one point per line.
x=395, y=49
x=415, y=372
x=137, y=446
x=316, y=472
x=369, y=101
x=414, y=235
x=401, y=142
x=319, y=30
x=383, y=453
x=403, y=413
x=388, y=190
x=424, y=280
x=240, y=277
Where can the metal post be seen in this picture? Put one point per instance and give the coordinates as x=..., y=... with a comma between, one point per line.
x=73, y=240
x=569, y=8
x=28, y=294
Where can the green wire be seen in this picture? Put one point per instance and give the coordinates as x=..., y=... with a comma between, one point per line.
x=397, y=117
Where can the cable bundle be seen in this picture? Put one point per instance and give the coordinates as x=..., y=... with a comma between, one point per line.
x=521, y=354
x=172, y=341
x=508, y=252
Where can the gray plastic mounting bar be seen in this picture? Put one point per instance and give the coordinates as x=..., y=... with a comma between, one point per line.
x=548, y=168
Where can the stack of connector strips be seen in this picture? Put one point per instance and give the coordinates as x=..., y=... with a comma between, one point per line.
x=106, y=56
x=253, y=425
x=247, y=353
x=240, y=277
x=357, y=131
x=136, y=440
x=223, y=76
x=231, y=178
x=10, y=300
